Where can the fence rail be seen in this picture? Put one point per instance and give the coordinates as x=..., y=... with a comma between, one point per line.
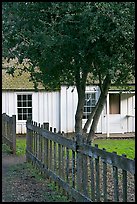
x=9, y=131
x=86, y=173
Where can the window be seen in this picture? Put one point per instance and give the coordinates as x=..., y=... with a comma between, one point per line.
x=90, y=102
x=114, y=103
x=24, y=106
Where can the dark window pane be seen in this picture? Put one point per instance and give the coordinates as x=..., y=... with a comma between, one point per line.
x=29, y=104
x=24, y=97
x=85, y=109
x=19, y=116
x=24, y=103
x=19, y=104
x=93, y=102
x=24, y=117
x=19, y=97
x=88, y=109
x=19, y=110
x=24, y=110
x=88, y=95
x=93, y=96
x=30, y=115
x=29, y=97
x=29, y=110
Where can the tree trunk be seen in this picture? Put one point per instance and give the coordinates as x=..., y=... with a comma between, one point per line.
x=100, y=106
x=79, y=111
x=80, y=85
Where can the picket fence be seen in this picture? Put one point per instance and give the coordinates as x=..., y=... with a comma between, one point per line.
x=9, y=131
x=86, y=173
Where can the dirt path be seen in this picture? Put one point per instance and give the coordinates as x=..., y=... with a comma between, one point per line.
x=20, y=183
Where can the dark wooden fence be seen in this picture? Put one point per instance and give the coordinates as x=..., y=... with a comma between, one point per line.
x=86, y=173
x=9, y=131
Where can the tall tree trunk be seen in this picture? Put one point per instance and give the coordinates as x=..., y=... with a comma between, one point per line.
x=79, y=111
x=101, y=102
x=80, y=85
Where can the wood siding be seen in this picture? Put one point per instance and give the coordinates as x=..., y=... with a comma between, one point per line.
x=59, y=108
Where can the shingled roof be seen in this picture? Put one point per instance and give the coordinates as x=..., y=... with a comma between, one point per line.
x=18, y=82
x=22, y=82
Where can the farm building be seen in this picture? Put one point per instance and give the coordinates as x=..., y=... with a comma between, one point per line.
x=58, y=107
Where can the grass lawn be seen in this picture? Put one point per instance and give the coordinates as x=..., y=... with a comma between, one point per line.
x=20, y=146
x=121, y=146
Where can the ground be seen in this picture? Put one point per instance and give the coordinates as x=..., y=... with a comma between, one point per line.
x=21, y=183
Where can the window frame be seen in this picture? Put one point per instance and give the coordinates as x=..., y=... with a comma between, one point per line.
x=90, y=106
x=111, y=110
x=25, y=107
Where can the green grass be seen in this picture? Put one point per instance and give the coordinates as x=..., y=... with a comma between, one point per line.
x=21, y=146
x=120, y=146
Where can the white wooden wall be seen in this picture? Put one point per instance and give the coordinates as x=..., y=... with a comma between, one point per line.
x=59, y=108
x=68, y=101
x=9, y=103
x=128, y=112
x=45, y=108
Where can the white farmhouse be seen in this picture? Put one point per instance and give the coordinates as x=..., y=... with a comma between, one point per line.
x=58, y=107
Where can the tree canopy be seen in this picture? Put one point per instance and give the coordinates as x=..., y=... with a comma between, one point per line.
x=67, y=41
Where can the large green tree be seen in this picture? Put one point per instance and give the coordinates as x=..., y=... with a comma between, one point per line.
x=70, y=42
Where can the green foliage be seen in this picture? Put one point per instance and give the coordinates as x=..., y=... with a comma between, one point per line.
x=66, y=39
x=6, y=148
x=121, y=146
x=20, y=147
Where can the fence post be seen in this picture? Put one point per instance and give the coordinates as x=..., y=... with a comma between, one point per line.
x=14, y=133
x=79, y=163
x=46, y=147
x=27, y=141
x=46, y=126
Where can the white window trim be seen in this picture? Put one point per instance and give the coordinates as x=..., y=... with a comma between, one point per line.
x=22, y=93
x=96, y=98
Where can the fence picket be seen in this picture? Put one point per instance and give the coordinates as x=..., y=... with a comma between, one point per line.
x=67, y=165
x=85, y=175
x=73, y=169
x=75, y=166
x=59, y=161
x=50, y=154
x=115, y=177
x=104, y=179
x=9, y=131
x=46, y=126
x=97, y=177
x=92, y=179
x=124, y=173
